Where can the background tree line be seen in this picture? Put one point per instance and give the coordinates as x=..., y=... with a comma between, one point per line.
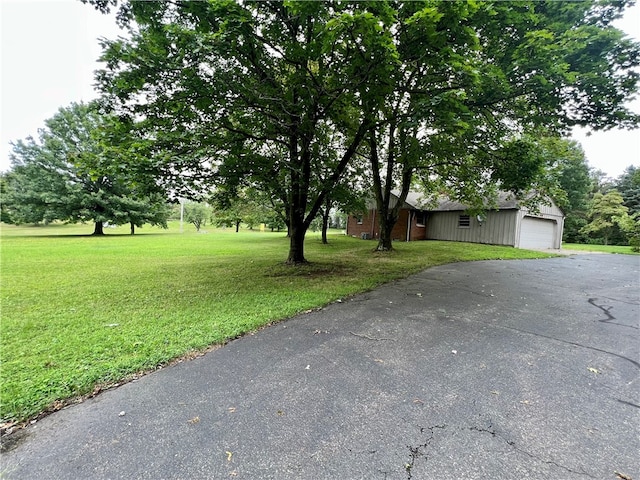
x=312, y=103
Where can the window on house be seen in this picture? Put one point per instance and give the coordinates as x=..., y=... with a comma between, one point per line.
x=359, y=219
x=464, y=221
x=421, y=219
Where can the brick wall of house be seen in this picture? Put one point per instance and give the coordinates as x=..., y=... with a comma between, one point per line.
x=418, y=232
x=369, y=226
x=399, y=232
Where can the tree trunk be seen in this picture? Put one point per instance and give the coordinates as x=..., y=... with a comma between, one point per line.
x=386, y=221
x=296, y=243
x=133, y=228
x=325, y=220
x=325, y=225
x=387, y=215
x=237, y=226
x=98, y=229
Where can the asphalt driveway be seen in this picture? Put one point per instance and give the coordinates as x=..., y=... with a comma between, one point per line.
x=499, y=369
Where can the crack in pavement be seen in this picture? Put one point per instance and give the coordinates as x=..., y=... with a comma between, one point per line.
x=568, y=342
x=490, y=430
x=415, y=452
x=624, y=402
x=420, y=451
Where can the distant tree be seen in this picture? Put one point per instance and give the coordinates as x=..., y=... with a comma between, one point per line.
x=67, y=175
x=606, y=213
x=628, y=184
x=232, y=208
x=567, y=164
x=5, y=216
x=197, y=214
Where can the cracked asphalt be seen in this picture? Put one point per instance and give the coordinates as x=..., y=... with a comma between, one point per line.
x=499, y=369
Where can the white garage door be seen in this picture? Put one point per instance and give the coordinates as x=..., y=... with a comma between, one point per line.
x=537, y=233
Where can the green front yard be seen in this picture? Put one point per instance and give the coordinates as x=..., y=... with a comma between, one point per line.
x=81, y=313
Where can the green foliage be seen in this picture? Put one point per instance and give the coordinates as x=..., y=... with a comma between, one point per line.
x=248, y=206
x=567, y=167
x=197, y=214
x=167, y=295
x=471, y=102
x=250, y=94
x=607, y=211
x=243, y=93
x=628, y=184
x=70, y=174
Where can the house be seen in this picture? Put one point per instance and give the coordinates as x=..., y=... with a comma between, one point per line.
x=508, y=224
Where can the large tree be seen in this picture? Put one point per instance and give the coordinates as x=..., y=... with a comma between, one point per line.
x=67, y=174
x=477, y=81
x=567, y=165
x=231, y=91
x=246, y=92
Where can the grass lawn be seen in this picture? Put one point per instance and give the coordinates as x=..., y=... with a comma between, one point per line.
x=80, y=313
x=599, y=248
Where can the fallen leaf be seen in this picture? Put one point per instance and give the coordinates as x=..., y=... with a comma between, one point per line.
x=454, y=351
x=594, y=370
x=378, y=360
x=526, y=402
x=307, y=367
x=417, y=400
x=194, y=420
x=229, y=455
x=122, y=413
x=495, y=392
x=622, y=476
x=232, y=409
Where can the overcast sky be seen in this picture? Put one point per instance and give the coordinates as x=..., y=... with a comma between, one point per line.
x=49, y=52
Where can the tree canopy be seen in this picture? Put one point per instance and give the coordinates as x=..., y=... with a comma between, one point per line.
x=606, y=212
x=251, y=93
x=63, y=176
x=478, y=84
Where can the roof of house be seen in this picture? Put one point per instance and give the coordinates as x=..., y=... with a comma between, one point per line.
x=504, y=201
x=417, y=201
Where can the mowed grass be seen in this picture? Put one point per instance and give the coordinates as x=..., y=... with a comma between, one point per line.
x=80, y=313
x=600, y=248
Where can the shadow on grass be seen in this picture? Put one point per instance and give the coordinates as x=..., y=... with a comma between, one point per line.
x=307, y=270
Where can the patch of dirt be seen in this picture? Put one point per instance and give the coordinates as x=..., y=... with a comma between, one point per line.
x=10, y=441
x=307, y=270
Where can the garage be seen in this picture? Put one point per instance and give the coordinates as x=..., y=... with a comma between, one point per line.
x=537, y=233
